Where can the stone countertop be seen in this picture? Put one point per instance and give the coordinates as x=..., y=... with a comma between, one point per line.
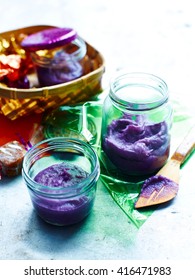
x=148, y=36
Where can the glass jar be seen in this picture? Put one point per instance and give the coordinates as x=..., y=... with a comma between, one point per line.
x=57, y=55
x=61, y=176
x=136, y=122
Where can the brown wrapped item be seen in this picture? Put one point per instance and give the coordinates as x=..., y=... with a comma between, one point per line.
x=11, y=158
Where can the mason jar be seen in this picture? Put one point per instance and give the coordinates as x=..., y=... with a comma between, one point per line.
x=136, y=123
x=57, y=55
x=61, y=176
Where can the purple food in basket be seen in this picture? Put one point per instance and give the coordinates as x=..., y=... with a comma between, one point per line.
x=61, y=70
x=56, y=54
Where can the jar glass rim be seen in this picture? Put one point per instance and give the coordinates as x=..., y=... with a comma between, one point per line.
x=75, y=56
x=59, y=142
x=138, y=90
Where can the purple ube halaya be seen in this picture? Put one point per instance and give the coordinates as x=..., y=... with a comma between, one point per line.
x=135, y=145
x=62, y=209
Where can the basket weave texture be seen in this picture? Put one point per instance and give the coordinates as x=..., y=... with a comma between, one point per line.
x=15, y=102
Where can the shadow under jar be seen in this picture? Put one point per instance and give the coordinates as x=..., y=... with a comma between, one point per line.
x=136, y=122
x=61, y=176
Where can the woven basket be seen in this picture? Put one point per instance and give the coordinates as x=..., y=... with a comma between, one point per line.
x=15, y=102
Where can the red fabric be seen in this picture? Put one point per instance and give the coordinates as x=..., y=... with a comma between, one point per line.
x=22, y=126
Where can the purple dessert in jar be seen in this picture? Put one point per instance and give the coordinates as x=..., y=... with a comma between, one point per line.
x=61, y=175
x=136, y=146
x=136, y=123
x=57, y=54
